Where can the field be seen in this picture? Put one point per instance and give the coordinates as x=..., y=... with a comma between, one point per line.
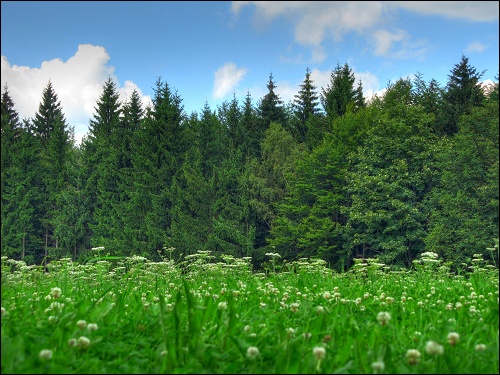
x=209, y=315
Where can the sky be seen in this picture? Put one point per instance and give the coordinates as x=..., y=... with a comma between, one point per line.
x=211, y=51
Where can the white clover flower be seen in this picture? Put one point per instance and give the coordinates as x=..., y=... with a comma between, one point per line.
x=83, y=342
x=81, y=324
x=247, y=328
x=252, y=352
x=222, y=306
x=319, y=352
x=434, y=348
x=45, y=354
x=3, y=311
x=383, y=317
x=453, y=338
x=93, y=327
x=378, y=366
x=480, y=347
x=327, y=295
x=72, y=342
x=55, y=292
x=413, y=356
x=319, y=309
x=290, y=331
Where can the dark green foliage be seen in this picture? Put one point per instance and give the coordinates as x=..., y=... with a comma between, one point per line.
x=463, y=92
x=414, y=170
x=305, y=106
x=464, y=219
x=340, y=95
x=270, y=109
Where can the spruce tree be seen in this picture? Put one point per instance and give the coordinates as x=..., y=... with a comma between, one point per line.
x=55, y=139
x=340, y=94
x=270, y=109
x=305, y=105
x=463, y=92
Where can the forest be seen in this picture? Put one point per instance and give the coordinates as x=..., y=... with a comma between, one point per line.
x=330, y=175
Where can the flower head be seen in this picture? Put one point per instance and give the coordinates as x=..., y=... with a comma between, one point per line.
x=453, y=338
x=81, y=324
x=383, y=317
x=434, y=348
x=319, y=352
x=92, y=327
x=55, y=292
x=252, y=352
x=83, y=342
x=45, y=354
x=222, y=306
x=378, y=366
x=413, y=356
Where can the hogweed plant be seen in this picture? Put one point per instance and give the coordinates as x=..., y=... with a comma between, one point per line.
x=209, y=314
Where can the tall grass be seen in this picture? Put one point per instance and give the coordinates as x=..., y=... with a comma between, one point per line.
x=217, y=316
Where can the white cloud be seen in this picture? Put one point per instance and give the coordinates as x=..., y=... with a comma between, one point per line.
x=77, y=82
x=315, y=22
x=227, y=78
x=475, y=47
x=478, y=11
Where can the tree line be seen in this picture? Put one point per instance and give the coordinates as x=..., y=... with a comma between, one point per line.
x=329, y=175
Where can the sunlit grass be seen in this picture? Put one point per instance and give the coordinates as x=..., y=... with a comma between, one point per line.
x=209, y=315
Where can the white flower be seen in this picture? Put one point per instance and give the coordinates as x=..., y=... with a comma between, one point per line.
x=83, y=342
x=222, y=306
x=45, y=354
x=413, y=356
x=453, y=338
x=378, y=366
x=55, y=292
x=92, y=327
x=252, y=352
x=433, y=348
x=383, y=317
x=319, y=352
x=480, y=347
x=81, y=324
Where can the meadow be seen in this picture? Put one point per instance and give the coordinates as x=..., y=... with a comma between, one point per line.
x=216, y=315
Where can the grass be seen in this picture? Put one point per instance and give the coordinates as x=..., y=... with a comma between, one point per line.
x=209, y=316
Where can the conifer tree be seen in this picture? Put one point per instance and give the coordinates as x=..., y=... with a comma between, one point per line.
x=341, y=94
x=55, y=140
x=102, y=157
x=463, y=92
x=305, y=105
x=270, y=109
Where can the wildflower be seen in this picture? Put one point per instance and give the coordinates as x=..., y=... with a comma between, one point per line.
x=247, y=328
x=453, y=338
x=72, y=343
x=222, y=306
x=81, y=324
x=3, y=311
x=45, y=354
x=434, y=348
x=413, y=356
x=383, y=317
x=319, y=352
x=327, y=295
x=164, y=353
x=252, y=352
x=55, y=292
x=480, y=347
x=92, y=327
x=290, y=331
x=83, y=342
x=319, y=309
x=378, y=366
x=294, y=307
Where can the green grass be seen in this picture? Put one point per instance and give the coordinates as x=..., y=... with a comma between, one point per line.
x=205, y=316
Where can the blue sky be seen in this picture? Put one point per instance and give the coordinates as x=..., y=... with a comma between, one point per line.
x=207, y=51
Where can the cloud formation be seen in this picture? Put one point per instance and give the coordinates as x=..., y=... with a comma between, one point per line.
x=77, y=82
x=317, y=21
x=226, y=79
